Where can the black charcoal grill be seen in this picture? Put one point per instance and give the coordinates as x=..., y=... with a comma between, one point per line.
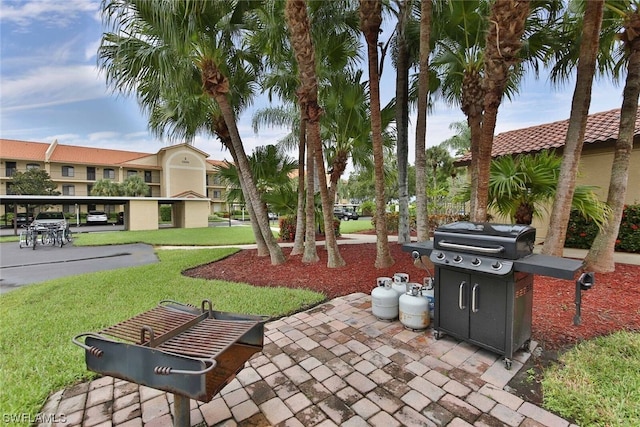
x=192, y=353
x=484, y=282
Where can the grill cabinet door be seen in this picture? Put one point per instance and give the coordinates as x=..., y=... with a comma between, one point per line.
x=452, y=302
x=472, y=307
x=488, y=311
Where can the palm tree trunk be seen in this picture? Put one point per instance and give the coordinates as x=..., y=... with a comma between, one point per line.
x=600, y=256
x=554, y=242
x=507, y=24
x=422, y=214
x=222, y=131
x=261, y=218
x=371, y=19
x=298, y=243
x=402, y=120
x=310, y=251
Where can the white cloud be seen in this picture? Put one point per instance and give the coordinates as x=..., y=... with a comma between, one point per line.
x=53, y=13
x=51, y=85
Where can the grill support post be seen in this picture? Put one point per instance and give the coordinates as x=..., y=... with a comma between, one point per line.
x=182, y=414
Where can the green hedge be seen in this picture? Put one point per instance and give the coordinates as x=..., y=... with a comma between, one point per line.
x=581, y=232
x=288, y=228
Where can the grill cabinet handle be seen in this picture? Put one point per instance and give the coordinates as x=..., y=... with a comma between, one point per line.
x=474, y=296
x=461, y=305
x=166, y=370
x=449, y=245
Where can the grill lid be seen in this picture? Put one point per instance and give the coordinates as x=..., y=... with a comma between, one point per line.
x=506, y=241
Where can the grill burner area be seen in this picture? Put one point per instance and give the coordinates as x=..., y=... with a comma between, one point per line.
x=176, y=348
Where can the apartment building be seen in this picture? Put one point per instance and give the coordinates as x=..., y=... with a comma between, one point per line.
x=176, y=171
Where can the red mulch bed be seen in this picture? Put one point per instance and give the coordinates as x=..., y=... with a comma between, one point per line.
x=612, y=304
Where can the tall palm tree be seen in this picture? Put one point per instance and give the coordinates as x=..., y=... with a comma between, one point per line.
x=600, y=256
x=592, y=21
x=370, y=21
x=422, y=223
x=299, y=27
x=507, y=20
x=158, y=48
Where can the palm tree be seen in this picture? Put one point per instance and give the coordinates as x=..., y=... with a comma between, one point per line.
x=106, y=188
x=422, y=223
x=507, y=20
x=600, y=256
x=134, y=186
x=299, y=27
x=370, y=21
x=520, y=187
x=592, y=21
x=158, y=49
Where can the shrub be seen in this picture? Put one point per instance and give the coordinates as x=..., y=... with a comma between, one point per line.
x=367, y=208
x=581, y=232
x=287, y=228
x=165, y=213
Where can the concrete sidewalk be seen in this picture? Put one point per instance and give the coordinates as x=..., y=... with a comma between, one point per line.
x=333, y=365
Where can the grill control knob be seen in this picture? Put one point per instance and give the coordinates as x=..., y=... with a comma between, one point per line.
x=476, y=262
x=496, y=265
x=440, y=255
x=457, y=259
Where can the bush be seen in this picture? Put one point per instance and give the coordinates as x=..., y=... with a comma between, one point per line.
x=581, y=232
x=165, y=213
x=367, y=208
x=287, y=228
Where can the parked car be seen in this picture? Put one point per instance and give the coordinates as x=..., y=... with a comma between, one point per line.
x=44, y=219
x=272, y=216
x=97, y=217
x=23, y=218
x=345, y=214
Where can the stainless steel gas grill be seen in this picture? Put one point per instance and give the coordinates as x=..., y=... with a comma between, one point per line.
x=190, y=352
x=484, y=282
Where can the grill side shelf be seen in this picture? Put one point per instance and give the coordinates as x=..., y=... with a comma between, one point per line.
x=551, y=266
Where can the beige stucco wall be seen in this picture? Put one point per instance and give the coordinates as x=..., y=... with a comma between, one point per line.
x=191, y=213
x=184, y=170
x=142, y=214
x=595, y=169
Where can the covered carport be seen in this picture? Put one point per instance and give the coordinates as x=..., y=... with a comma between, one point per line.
x=140, y=213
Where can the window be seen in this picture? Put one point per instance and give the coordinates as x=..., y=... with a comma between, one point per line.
x=132, y=173
x=32, y=166
x=10, y=188
x=67, y=171
x=109, y=174
x=70, y=209
x=89, y=189
x=147, y=176
x=91, y=173
x=68, y=190
x=10, y=168
x=217, y=180
x=217, y=194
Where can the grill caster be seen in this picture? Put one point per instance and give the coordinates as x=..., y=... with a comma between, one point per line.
x=526, y=346
x=507, y=363
x=437, y=334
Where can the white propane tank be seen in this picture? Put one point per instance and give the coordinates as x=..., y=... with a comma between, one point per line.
x=414, y=309
x=384, y=300
x=429, y=293
x=400, y=281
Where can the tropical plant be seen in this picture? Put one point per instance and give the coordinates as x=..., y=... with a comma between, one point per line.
x=134, y=186
x=106, y=188
x=574, y=140
x=161, y=50
x=370, y=21
x=600, y=256
x=520, y=187
x=422, y=225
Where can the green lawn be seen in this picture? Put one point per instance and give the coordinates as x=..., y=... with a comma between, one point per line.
x=38, y=321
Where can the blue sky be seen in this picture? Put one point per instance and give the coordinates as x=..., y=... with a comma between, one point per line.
x=50, y=88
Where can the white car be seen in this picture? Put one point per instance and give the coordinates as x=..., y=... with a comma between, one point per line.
x=44, y=219
x=97, y=217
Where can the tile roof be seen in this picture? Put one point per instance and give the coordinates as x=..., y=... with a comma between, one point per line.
x=601, y=127
x=22, y=150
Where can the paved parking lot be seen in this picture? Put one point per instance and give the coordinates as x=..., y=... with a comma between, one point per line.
x=20, y=267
